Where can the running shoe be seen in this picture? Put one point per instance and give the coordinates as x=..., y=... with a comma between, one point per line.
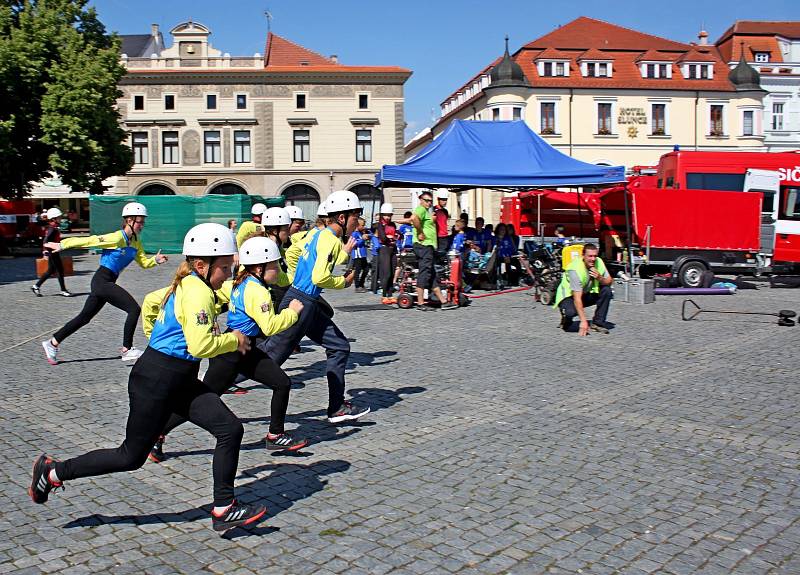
x=66, y=293
x=131, y=355
x=41, y=486
x=156, y=454
x=386, y=300
x=284, y=442
x=599, y=327
x=50, y=352
x=237, y=516
x=448, y=305
x=35, y=289
x=348, y=412
x=235, y=390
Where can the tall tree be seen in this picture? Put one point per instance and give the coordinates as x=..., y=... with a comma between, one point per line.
x=59, y=72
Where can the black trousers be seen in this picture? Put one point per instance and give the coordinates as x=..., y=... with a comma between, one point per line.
x=255, y=365
x=104, y=290
x=360, y=267
x=316, y=325
x=387, y=262
x=54, y=266
x=160, y=385
x=376, y=272
x=602, y=300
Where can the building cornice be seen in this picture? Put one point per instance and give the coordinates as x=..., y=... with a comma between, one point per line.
x=260, y=76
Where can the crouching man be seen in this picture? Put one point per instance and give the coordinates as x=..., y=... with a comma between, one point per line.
x=586, y=282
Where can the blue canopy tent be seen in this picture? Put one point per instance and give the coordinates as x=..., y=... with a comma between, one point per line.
x=495, y=155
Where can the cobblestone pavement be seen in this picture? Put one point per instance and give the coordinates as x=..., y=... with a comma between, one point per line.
x=497, y=444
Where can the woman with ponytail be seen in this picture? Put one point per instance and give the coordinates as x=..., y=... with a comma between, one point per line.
x=179, y=321
x=119, y=249
x=250, y=310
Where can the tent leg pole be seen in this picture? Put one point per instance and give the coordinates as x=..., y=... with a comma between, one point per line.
x=628, y=233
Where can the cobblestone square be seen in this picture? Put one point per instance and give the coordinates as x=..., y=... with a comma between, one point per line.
x=496, y=444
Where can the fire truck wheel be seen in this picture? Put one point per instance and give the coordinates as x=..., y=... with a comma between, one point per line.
x=404, y=301
x=691, y=274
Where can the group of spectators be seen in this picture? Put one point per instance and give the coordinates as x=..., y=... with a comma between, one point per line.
x=487, y=252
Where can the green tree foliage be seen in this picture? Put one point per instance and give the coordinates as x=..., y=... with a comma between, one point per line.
x=59, y=72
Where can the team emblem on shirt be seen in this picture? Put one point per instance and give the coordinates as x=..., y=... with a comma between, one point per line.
x=202, y=317
x=265, y=307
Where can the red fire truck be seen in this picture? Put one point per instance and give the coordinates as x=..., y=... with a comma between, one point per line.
x=729, y=212
x=18, y=223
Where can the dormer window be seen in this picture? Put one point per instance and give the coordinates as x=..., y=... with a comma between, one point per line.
x=552, y=68
x=762, y=56
x=698, y=71
x=596, y=69
x=654, y=70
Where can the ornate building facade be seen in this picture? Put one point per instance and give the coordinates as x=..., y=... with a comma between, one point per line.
x=291, y=122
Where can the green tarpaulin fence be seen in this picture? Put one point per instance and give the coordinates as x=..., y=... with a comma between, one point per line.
x=170, y=217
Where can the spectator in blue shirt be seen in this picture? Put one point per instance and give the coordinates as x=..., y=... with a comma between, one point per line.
x=406, y=231
x=487, y=238
x=359, y=255
x=374, y=249
x=459, y=238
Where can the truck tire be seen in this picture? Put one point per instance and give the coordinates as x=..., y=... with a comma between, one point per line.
x=691, y=274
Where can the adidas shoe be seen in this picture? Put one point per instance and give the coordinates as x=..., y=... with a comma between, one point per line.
x=40, y=481
x=50, y=352
x=284, y=442
x=131, y=355
x=348, y=412
x=35, y=290
x=237, y=516
x=66, y=293
x=156, y=454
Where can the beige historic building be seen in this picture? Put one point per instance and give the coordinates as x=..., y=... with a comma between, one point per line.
x=291, y=122
x=610, y=95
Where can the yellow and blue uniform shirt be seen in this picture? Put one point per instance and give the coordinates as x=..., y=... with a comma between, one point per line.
x=315, y=257
x=246, y=229
x=118, y=250
x=184, y=326
x=250, y=308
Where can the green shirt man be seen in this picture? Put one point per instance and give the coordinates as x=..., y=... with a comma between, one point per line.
x=427, y=225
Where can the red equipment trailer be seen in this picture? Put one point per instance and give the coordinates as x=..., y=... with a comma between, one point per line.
x=18, y=224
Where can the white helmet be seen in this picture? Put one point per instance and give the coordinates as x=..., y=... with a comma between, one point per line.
x=209, y=240
x=258, y=209
x=258, y=250
x=322, y=210
x=276, y=217
x=134, y=209
x=387, y=208
x=443, y=195
x=342, y=201
x=53, y=213
x=295, y=212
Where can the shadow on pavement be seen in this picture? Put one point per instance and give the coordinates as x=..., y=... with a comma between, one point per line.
x=287, y=484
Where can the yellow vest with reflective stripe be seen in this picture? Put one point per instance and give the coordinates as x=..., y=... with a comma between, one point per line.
x=564, y=290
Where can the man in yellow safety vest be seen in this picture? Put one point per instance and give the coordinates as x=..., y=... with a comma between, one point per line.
x=586, y=282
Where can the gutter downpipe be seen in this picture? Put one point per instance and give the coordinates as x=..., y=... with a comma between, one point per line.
x=570, y=121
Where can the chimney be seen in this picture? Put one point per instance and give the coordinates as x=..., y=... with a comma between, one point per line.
x=703, y=37
x=334, y=58
x=154, y=30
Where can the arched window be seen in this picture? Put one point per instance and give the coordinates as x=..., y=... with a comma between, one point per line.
x=228, y=190
x=156, y=190
x=304, y=197
x=370, y=198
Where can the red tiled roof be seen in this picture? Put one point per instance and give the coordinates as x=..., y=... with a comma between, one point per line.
x=699, y=55
x=282, y=52
x=472, y=80
x=584, y=33
x=787, y=29
x=595, y=54
x=656, y=56
x=552, y=54
x=731, y=48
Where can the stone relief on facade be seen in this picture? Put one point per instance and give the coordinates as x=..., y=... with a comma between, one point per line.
x=190, y=142
x=153, y=92
x=264, y=157
x=399, y=128
x=191, y=91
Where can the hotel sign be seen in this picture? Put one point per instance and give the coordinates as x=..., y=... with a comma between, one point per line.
x=632, y=116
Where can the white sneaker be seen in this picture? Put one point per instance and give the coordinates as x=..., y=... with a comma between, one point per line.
x=66, y=293
x=50, y=352
x=132, y=354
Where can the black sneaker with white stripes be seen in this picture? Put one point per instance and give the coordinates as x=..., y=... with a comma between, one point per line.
x=156, y=454
x=40, y=481
x=237, y=516
x=285, y=442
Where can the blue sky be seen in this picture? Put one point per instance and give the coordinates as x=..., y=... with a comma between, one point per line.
x=443, y=42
